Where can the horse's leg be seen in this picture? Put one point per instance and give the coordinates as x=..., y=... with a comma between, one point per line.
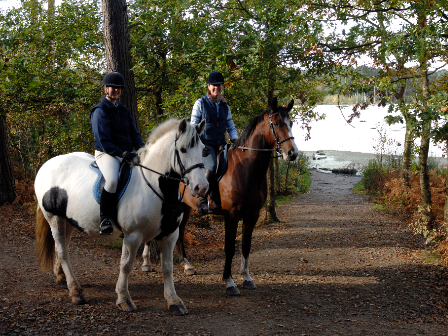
x=131, y=244
x=61, y=231
x=166, y=245
x=146, y=267
x=58, y=271
x=249, y=222
x=231, y=225
x=188, y=268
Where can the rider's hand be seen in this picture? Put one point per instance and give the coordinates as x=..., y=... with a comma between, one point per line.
x=131, y=157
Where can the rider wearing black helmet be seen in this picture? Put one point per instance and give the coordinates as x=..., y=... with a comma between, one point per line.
x=214, y=109
x=116, y=137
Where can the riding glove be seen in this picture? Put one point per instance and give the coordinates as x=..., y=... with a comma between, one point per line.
x=131, y=157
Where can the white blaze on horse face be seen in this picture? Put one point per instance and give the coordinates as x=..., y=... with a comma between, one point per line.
x=197, y=180
x=288, y=155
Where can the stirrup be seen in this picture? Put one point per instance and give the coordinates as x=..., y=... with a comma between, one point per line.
x=106, y=227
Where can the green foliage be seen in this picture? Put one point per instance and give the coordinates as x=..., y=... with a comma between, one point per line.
x=294, y=176
x=374, y=177
x=177, y=43
x=359, y=188
x=49, y=79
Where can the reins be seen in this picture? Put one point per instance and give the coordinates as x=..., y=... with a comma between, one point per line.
x=183, y=172
x=277, y=148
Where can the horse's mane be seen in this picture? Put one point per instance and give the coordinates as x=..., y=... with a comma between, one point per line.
x=187, y=139
x=161, y=130
x=253, y=124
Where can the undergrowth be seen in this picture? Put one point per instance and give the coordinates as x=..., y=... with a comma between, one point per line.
x=389, y=193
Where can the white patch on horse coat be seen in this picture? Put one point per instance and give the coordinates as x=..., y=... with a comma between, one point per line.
x=229, y=283
x=245, y=269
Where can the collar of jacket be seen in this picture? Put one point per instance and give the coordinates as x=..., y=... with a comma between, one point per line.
x=109, y=104
x=221, y=99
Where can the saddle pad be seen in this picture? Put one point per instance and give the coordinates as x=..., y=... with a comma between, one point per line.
x=96, y=186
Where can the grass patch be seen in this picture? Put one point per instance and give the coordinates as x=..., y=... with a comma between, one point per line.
x=359, y=188
x=282, y=200
x=381, y=207
x=114, y=244
x=305, y=183
x=430, y=255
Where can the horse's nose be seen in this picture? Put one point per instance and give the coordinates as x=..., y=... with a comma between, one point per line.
x=200, y=189
x=292, y=154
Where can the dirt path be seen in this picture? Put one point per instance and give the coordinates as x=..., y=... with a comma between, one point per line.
x=333, y=267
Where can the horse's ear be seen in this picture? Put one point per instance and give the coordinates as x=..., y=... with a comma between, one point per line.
x=274, y=104
x=201, y=127
x=182, y=126
x=290, y=105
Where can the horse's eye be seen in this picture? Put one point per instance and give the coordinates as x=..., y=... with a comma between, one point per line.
x=276, y=124
x=183, y=150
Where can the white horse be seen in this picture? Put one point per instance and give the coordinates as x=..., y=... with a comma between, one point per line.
x=150, y=207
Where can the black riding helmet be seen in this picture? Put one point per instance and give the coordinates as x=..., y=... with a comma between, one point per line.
x=215, y=78
x=114, y=78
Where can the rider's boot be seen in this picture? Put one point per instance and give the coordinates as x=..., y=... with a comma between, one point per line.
x=108, y=208
x=204, y=207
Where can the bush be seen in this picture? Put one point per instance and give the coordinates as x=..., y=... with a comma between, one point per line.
x=374, y=177
x=294, y=176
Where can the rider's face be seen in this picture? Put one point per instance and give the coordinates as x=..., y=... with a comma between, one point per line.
x=215, y=90
x=112, y=93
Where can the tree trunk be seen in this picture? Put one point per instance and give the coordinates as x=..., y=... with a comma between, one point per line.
x=407, y=155
x=408, y=140
x=118, y=56
x=427, y=214
x=271, y=215
x=277, y=175
x=7, y=187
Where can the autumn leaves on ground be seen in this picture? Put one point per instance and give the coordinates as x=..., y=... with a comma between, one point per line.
x=332, y=266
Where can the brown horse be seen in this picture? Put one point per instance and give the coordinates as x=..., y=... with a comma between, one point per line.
x=243, y=188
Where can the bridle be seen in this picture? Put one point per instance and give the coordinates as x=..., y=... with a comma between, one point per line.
x=183, y=171
x=278, y=142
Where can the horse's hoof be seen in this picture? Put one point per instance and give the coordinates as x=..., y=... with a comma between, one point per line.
x=178, y=309
x=78, y=299
x=249, y=285
x=190, y=271
x=127, y=306
x=232, y=291
x=146, y=268
x=62, y=284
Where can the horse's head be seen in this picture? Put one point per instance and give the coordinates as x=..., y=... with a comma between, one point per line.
x=188, y=154
x=280, y=130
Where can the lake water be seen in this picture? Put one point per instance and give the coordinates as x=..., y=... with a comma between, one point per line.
x=352, y=145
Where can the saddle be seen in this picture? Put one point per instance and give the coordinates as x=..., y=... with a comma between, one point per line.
x=221, y=161
x=221, y=169
x=123, y=180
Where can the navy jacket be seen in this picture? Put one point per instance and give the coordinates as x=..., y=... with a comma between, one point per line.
x=215, y=127
x=114, y=129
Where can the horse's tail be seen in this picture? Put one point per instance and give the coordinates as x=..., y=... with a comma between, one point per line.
x=45, y=249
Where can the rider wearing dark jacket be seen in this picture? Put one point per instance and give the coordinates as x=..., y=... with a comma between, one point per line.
x=114, y=129
x=115, y=139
